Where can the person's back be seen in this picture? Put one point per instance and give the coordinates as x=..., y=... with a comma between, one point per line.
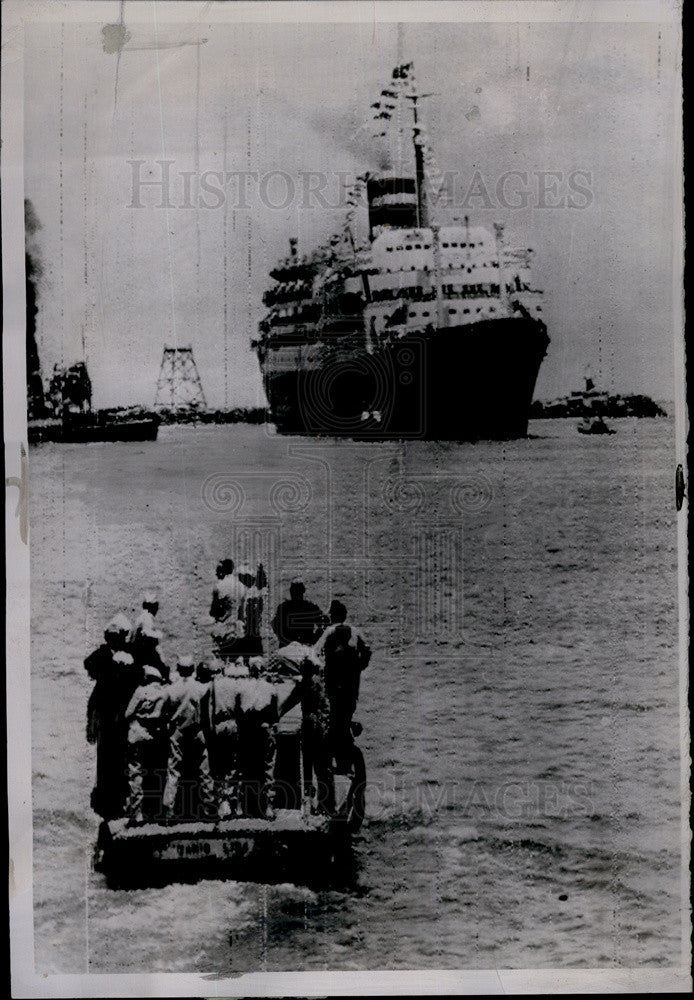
x=98, y=663
x=224, y=695
x=296, y=619
x=222, y=713
x=116, y=677
x=184, y=696
x=227, y=598
x=342, y=661
x=251, y=608
x=147, y=744
x=145, y=712
x=258, y=699
x=107, y=667
x=144, y=623
x=315, y=735
x=188, y=753
x=227, y=612
x=286, y=661
x=344, y=654
x=258, y=715
x=146, y=652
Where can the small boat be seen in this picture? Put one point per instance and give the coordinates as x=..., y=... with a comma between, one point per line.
x=300, y=840
x=64, y=414
x=88, y=427
x=594, y=425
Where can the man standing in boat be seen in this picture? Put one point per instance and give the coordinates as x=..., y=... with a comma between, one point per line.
x=226, y=611
x=184, y=708
x=343, y=653
x=147, y=746
x=251, y=608
x=145, y=620
x=221, y=726
x=116, y=677
x=258, y=712
x=315, y=734
x=298, y=620
x=145, y=650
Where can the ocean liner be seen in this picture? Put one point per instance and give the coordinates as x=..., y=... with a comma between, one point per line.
x=425, y=331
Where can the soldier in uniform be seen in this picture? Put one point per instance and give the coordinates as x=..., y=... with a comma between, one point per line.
x=223, y=738
x=185, y=705
x=147, y=747
x=116, y=677
x=258, y=713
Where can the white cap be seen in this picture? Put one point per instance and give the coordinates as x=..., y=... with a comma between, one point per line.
x=237, y=669
x=118, y=625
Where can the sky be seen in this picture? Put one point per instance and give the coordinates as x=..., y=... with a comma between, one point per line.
x=120, y=281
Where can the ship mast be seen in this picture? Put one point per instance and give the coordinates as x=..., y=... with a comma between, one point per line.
x=406, y=74
x=422, y=219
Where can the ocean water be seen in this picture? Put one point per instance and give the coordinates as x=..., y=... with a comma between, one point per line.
x=520, y=713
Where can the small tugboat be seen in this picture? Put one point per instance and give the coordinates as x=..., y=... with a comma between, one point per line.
x=299, y=839
x=62, y=412
x=594, y=425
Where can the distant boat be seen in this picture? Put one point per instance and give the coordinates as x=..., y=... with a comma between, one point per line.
x=65, y=414
x=594, y=425
x=83, y=428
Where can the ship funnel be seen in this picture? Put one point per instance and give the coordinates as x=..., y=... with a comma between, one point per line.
x=392, y=202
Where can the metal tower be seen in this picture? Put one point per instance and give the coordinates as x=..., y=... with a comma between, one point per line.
x=179, y=386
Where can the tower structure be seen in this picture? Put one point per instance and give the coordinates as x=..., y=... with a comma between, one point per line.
x=179, y=386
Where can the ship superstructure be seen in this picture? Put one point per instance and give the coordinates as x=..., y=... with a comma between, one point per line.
x=426, y=330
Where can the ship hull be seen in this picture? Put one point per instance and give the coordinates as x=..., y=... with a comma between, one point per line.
x=460, y=383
